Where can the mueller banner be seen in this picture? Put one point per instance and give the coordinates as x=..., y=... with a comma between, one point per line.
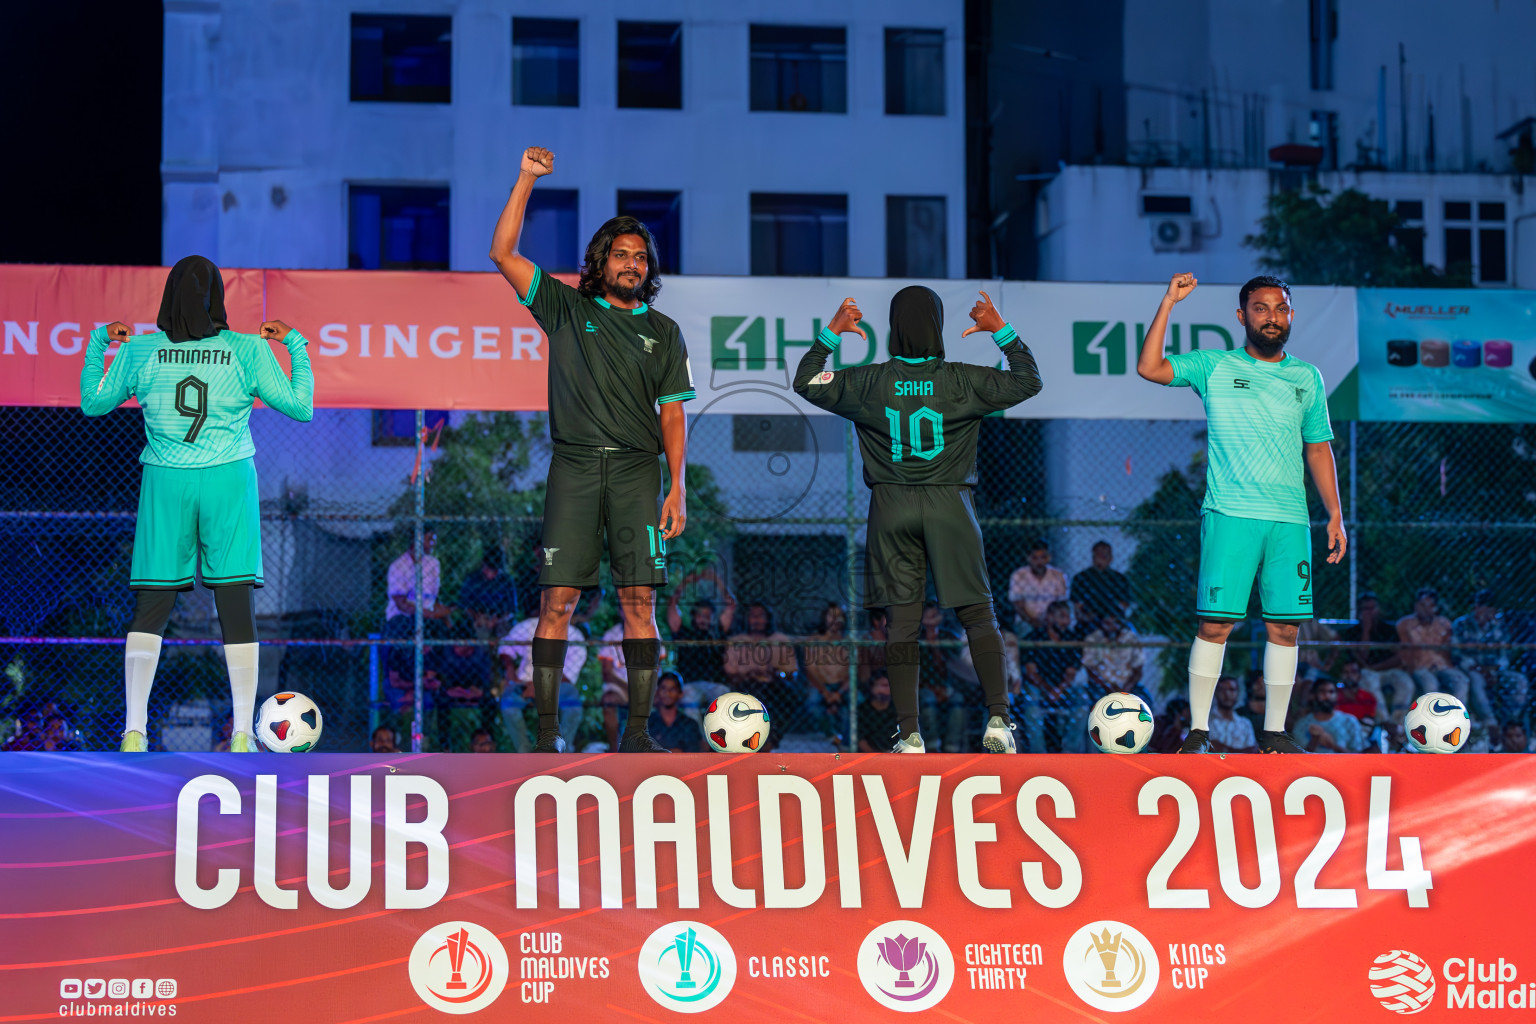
x=817, y=888
x=1448, y=355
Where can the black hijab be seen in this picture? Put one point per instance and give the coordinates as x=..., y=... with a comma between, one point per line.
x=193, y=304
x=917, y=323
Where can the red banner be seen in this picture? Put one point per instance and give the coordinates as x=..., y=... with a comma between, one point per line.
x=798, y=887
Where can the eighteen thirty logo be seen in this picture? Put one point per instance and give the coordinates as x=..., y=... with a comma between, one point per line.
x=906, y=966
x=1403, y=982
x=458, y=967
x=1111, y=966
x=687, y=967
x=1102, y=347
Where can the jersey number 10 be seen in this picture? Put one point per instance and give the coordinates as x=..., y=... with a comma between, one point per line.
x=915, y=431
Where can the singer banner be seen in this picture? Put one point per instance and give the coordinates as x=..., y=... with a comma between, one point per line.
x=767, y=887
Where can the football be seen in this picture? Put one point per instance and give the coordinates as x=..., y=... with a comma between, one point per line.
x=736, y=723
x=1120, y=723
x=1437, y=723
x=288, y=723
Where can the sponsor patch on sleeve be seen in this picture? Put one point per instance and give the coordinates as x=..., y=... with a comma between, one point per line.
x=824, y=377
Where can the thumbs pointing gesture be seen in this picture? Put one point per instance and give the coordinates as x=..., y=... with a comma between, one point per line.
x=846, y=320
x=986, y=316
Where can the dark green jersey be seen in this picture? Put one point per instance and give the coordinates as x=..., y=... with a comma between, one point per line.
x=917, y=420
x=609, y=368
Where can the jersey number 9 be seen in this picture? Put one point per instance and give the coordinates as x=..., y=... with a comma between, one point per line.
x=192, y=400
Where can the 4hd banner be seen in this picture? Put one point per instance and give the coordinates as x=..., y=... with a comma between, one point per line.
x=818, y=888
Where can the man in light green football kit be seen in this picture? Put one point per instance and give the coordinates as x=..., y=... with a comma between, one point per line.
x=1267, y=418
x=196, y=381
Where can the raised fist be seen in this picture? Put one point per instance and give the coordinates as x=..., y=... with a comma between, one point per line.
x=1181, y=285
x=537, y=161
x=117, y=332
x=275, y=330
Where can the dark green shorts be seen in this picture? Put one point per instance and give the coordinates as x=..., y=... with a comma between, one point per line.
x=913, y=529
x=186, y=516
x=1233, y=551
x=593, y=492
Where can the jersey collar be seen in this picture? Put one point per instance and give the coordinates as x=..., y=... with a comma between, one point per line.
x=608, y=305
x=1246, y=355
x=915, y=359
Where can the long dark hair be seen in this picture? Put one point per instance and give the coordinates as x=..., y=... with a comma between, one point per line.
x=591, y=283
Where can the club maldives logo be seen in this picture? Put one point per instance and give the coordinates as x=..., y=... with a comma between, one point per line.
x=1403, y=982
x=906, y=966
x=458, y=967
x=687, y=967
x=1111, y=966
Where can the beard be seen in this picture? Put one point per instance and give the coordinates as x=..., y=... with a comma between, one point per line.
x=621, y=288
x=1267, y=345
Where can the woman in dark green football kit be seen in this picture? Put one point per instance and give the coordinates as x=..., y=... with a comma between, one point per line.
x=917, y=417
x=618, y=378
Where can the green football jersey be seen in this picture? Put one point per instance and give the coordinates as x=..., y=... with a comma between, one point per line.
x=609, y=368
x=1258, y=415
x=918, y=420
x=197, y=395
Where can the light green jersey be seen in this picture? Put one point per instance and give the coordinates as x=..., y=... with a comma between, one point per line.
x=197, y=395
x=1258, y=415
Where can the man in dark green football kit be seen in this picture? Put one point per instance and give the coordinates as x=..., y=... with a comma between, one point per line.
x=917, y=417
x=618, y=375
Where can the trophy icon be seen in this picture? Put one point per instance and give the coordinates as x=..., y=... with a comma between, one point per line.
x=1108, y=949
x=685, y=945
x=904, y=955
x=457, y=944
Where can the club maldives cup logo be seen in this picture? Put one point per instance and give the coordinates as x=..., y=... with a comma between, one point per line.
x=1111, y=966
x=459, y=967
x=1403, y=982
x=906, y=966
x=687, y=967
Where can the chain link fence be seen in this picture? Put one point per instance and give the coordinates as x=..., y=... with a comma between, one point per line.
x=773, y=549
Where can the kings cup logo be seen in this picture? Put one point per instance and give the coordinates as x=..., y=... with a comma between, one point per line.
x=906, y=966
x=458, y=967
x=1111, y=966
x=687, y=967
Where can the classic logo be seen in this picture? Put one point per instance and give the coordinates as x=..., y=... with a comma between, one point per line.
x=549, y=555
x=1111, y=966
x=650, y=343
x=591, y=327
x=906, y=966
x=1300, y=394
x=687, y=967
x=458, y=967
x=1402, y=981
x=1239, y=382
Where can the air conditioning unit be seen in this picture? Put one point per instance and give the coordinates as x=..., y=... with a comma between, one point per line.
x=1173, y=233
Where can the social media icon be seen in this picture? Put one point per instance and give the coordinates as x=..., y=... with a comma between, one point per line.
x=95, y=988
x=143, y=988
x=165, y=988
x=117, y=988
x=70, y=988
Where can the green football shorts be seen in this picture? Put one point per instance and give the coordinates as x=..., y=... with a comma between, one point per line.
x=1233, y=551
x=212, y=514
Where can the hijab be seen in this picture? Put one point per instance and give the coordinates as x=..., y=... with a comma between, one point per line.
x=193, y=304
x=917, y=323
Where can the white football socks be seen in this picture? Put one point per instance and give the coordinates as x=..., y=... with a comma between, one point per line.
x=1205, y=660
x=241, y=659
x=140, y=657
x=1279, y=677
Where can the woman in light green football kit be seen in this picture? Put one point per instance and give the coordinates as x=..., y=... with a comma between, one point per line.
x=1267, y=418
x=199, y=510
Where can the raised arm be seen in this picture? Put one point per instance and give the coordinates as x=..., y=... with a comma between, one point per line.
x=293, y=398
x=998, y=390
x=101, y=393
x=830, y=391
x=1152, y=364
x=515, y=267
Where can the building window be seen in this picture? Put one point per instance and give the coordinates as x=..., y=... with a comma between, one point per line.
x=914, y=71
x=1323, y=29
x=651, y=64
x=661, y=212
x=1324, y=134
x=396, y=227
x=546, y=62
x=763, y=433
x=1410, y=236
x=1492, y=263
x=799, y=234
x=396, y=428
x=401, y=58
x=801, y=68
x=916, y=237
x=1458, y=237
x=549, y=230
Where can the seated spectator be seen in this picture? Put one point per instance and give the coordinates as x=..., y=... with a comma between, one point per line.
x=1054, y=701
x=1171, y=728
x=945, y=698
x=401, y=694
x=1326, y=729
x=1013, y=674
x=400, y=611
x=1231, y=733
x=1258, y=696
x=1487, y=667
x=1352, y=700
x=610, y=660
x=872, y=657
x=1512, y=738
x=516, y=657
x=489, y=596
x=826, y=672
x=1099, y=589
x=1033, y=586
x=59, y=735
x=1315, y=655
x=761, y=661
x=877, y=715
x=668, y=726
x=480, y=742
x=702, y=663
x=1427, y=654
x=383, y=741
x=465, y=672
x=29, y=731
x=1381, y=672
x=1111, y=666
